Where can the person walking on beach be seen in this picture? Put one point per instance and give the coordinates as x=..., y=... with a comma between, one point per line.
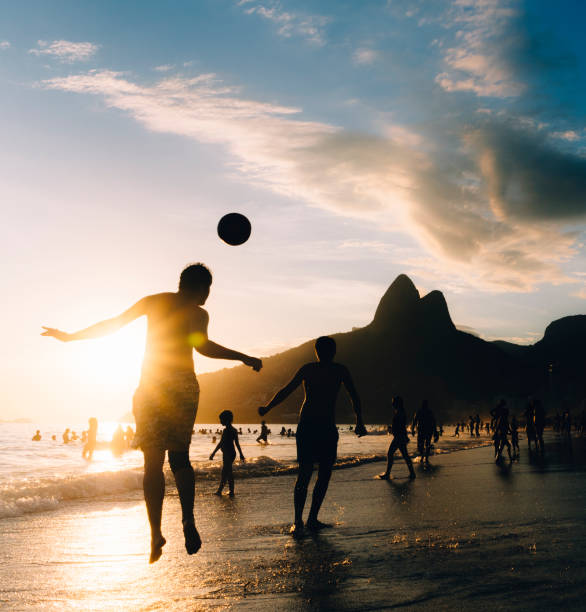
x=226, y=445
x=515, y=437
x=539, y=424
x=263, y=438
x=424, y=422
x=317, y=434
x=165, y=403
x=399, y=441
x=501, y=432
x=92, y=434
x=529, y=415
x=66, y=438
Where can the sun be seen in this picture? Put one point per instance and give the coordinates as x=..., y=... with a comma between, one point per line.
x=114, y=360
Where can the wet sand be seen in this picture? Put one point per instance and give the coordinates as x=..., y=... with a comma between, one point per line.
x=467, y=534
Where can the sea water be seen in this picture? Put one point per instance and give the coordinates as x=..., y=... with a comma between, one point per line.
x=39, y=476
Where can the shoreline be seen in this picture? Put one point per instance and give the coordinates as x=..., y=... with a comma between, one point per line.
x=466, y=533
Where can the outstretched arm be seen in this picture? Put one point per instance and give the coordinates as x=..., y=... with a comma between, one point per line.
x=359, y=430
x=216, y=449
x=284, y=393
x=206, y=347
x=103, y=328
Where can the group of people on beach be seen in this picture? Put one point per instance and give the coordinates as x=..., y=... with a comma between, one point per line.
x=165, y=405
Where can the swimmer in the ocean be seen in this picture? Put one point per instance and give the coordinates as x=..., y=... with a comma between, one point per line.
x=317, y=435
x=90, y=446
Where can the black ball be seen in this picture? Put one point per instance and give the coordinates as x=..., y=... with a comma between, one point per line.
x=234, y=229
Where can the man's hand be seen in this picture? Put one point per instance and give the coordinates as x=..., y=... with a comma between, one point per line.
x=253, y=362
x=242, y=458
x=212, y=457
x=263, y=410
x=51, y=332
x=360, y=430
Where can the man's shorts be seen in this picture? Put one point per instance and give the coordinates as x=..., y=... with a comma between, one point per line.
x=164, y=410
x=316, y=444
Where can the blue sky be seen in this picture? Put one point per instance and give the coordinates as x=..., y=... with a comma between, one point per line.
x=445, y=140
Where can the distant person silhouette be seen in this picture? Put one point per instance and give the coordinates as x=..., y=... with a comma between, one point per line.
x=496, y=414
x=226, y=445
x=264, y=433
x=400, y=439
x=129, y=436
x=515, y=436
x=539, y=424
x=529, y=415
x=66, y=438
x=165, y=403
x=37, y=437
x=317, y=435
x=90, y=445
x=477, y=425
x=456, y=431
x=424, y=422
x=501, y=432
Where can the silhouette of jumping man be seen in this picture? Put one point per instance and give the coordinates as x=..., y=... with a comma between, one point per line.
x=165, y=403
x=424, y=422
x=317, y=434
x=92, y=434
x=226, y=445
x=399, y=441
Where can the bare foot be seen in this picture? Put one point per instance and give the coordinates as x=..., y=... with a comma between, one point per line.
x=157, y=548
x=296, y=530
x=316, y=525
x=218, y=493
x=192, y=539
x=412, y=475
x=384, y=476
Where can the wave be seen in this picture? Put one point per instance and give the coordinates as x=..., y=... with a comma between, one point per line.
x=26, y=496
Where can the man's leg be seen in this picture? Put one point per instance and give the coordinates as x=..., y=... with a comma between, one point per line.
x=153, y=483
x=319, y=492
x=300, y=493
x=405, y=453
x=185, y=481
x=390, y=453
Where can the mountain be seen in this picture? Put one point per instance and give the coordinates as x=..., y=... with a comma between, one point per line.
x=412, y=348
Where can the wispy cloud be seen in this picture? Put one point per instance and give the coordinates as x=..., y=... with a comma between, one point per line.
x=479, y=61
x=164, y=67
x=4, y=44
x=364, y=56
x=66, y=51
x=491, y=211
x=309, y=27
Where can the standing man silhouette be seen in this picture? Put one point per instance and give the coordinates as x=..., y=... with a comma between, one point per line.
x=165, y=403
x=317, y=434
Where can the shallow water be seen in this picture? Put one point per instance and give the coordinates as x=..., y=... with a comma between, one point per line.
x=39, y=476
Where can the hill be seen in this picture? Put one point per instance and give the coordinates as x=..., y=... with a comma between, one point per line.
x=413, y=348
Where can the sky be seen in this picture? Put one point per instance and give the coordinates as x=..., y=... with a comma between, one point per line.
x=444, y=140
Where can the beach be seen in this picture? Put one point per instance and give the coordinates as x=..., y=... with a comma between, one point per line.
x=465, y=534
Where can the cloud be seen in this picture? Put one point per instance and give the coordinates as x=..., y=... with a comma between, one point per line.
x=65, y=50
x=309, y=27
x=489, y=211
x=4, y=44
x=165, y=67
x=364, y=56
x=480, y=60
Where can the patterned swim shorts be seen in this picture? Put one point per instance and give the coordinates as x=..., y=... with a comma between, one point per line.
x=164, y=410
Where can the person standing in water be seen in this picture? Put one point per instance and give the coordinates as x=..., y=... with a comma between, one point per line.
x=539, y=423
x=226, y=445
x=529, y=414
x=424, y=421
x=400, y=439
x=317, y=434
x=165, y=403
x=264, y=433
x=501, y=432
x=515, y=437
x=92, y=434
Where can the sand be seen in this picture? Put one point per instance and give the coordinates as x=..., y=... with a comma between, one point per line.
x=464, y=535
